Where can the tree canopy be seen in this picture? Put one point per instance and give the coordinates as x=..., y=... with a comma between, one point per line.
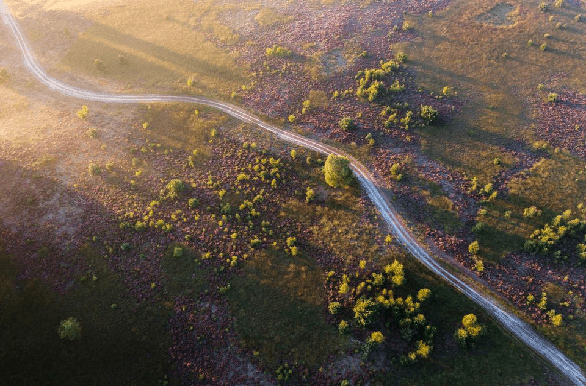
x=337, y=171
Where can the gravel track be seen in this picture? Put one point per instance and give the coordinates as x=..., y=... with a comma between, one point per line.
x=510, y=322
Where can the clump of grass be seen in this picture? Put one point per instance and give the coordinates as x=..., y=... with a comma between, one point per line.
x=543, y=47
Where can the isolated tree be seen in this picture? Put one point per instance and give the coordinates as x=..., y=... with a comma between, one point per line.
x=337, y=171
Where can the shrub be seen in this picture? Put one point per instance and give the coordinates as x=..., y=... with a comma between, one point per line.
x=529, y=43
x=69, y=328
x=559, y=3
x=552, y=97
x=470, y=331
x=377, y=337
x=429, y=114
x=177, y=252
x=543, y=47
x=369, y=139
x=347, y=123
x=174, y=188
x=278, y=51
x=334, y=307
x=401, y=57
x=474, y=248
x=309, y=195
x=364, y=311
x=292, y=118
x=406, y=26
x=543, y=6
x=83, y=113
x=337, y=171
x=423, y=294
x=531, y=212
x=94, y=169
x=343, y=327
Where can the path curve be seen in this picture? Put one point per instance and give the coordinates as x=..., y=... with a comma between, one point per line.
x=512, y=323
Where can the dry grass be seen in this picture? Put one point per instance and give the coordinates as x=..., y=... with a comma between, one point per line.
x=163, y=42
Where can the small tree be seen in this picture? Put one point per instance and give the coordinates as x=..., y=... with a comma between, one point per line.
x=337, y=171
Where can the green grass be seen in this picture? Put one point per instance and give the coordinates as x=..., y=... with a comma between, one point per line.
x=126, y=341
x=279, y=306
x=457, y=50
x=497, y=359
x=183, y=275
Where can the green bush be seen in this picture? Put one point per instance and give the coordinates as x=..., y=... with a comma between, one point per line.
x=347, y=123
x=334, y=307
x=474, y=248
x=94, y=169
x=69, y=328
x=552, y=97
x=174, y=188
x=278, y=51
x=429, y=114
x=83, y=113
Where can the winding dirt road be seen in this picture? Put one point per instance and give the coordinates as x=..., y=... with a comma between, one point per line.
x=510, y=322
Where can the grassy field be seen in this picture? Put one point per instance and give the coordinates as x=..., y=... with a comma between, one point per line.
x=495, y=58
x=230, y=245
x=146, y=34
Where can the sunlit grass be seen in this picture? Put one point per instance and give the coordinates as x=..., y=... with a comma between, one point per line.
x=163, y=43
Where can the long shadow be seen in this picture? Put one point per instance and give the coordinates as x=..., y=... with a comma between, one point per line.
x=112, y=349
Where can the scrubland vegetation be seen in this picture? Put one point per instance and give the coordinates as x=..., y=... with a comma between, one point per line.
x=220, y=255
